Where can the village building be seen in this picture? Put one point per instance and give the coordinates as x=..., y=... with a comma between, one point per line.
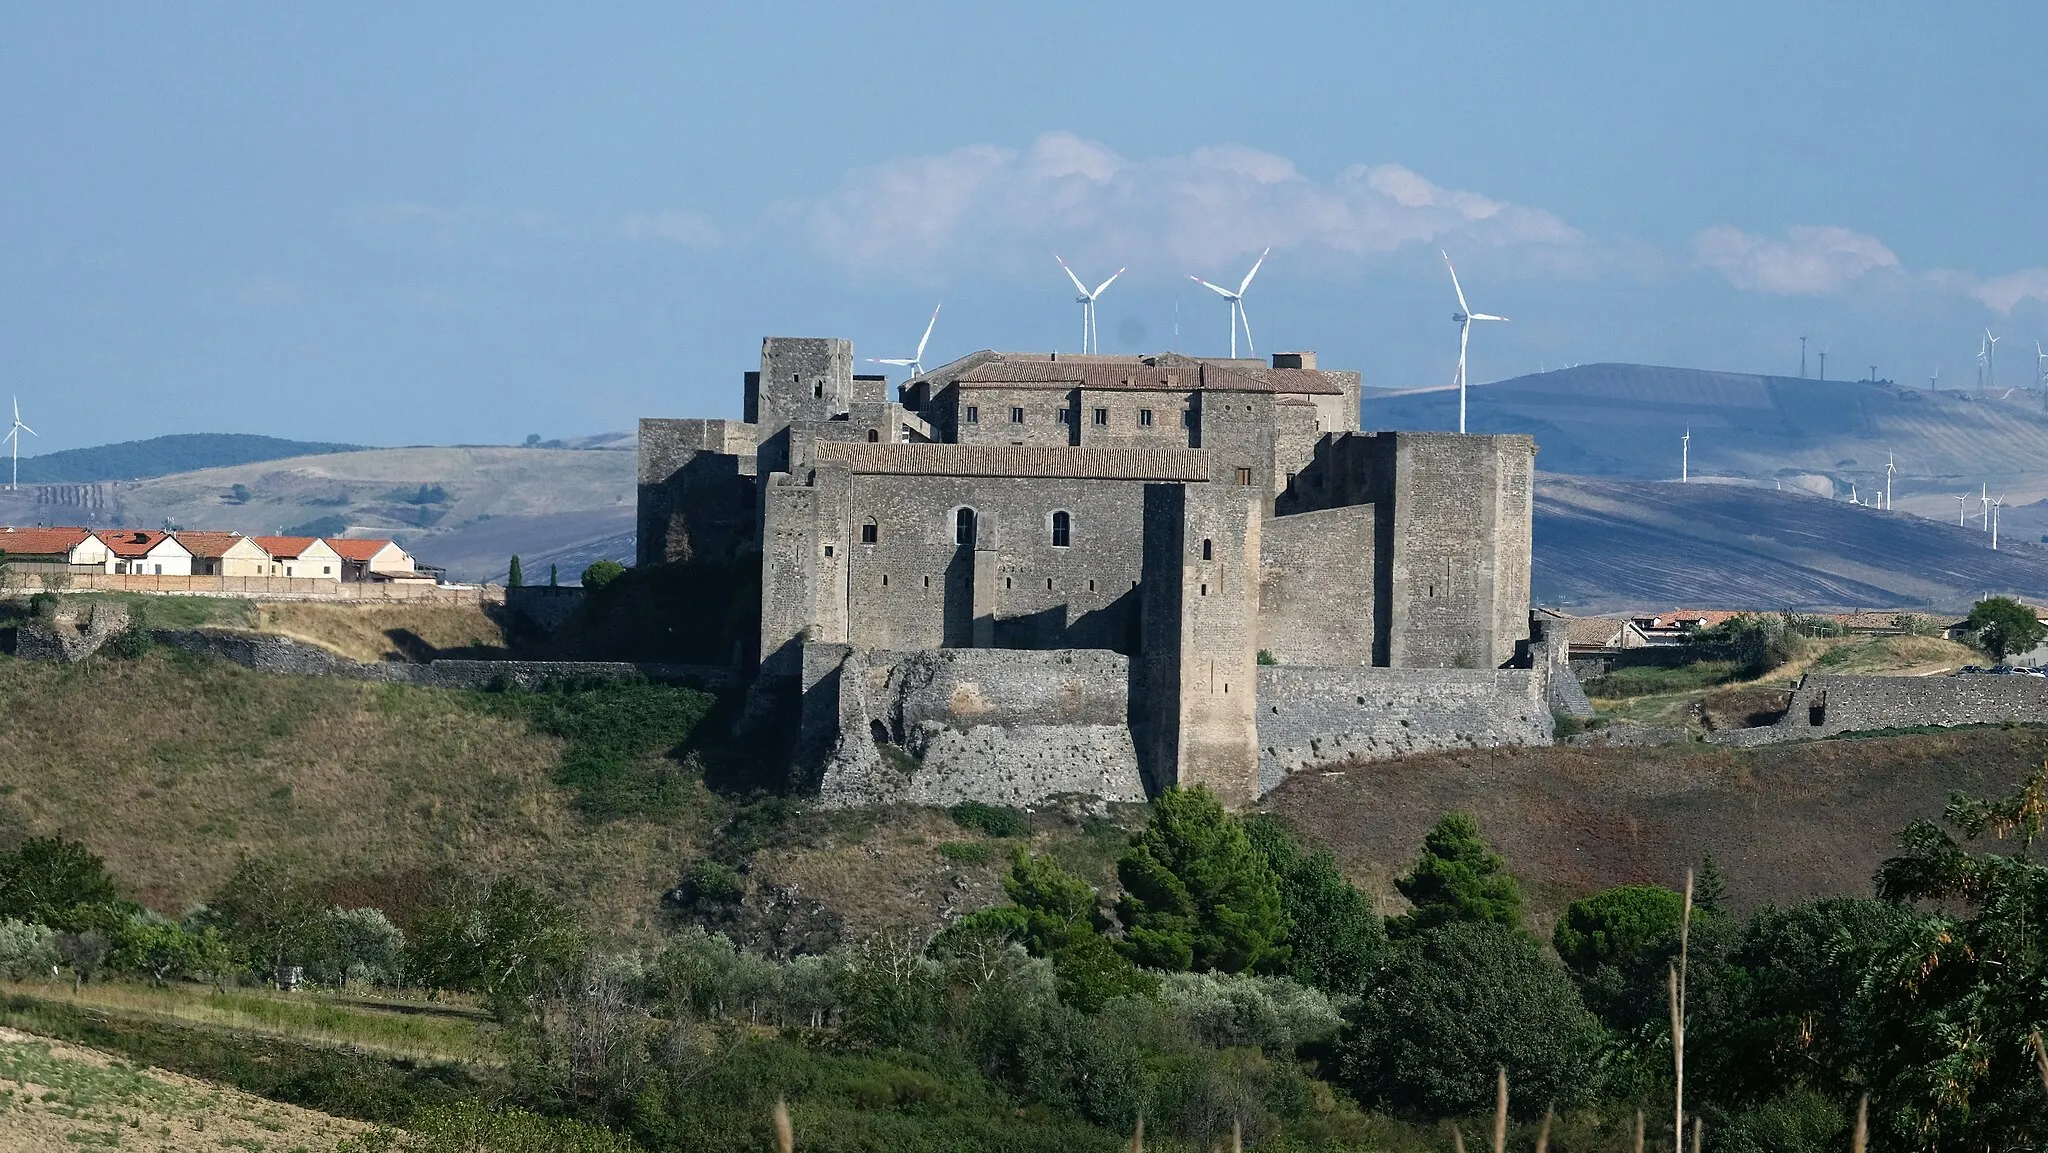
x=375, y=560
x=226, y=554
x=305, y=557
x=144, y=552
x=70, y=547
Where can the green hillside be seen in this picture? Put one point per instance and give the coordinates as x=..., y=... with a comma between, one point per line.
x=163, y=455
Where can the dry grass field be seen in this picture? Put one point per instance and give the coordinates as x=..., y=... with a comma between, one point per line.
x=57, y=1098
x=170, y=768
x=382, y=632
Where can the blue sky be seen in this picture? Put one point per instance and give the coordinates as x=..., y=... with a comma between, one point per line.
x=389, y=225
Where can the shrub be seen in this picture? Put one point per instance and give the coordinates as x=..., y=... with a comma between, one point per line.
x=1236, y=1010
x=1611, y=927
x=26, y=949
x=994, y=820
x=710, y=888
x=967, y=852
x=56, y=882
x=1335, y=938
x=1455, y=1004
x=468, y=1126
x=1458, y=878
x=602, y=573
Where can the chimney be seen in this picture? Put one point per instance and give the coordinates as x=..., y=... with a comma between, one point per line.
x=1294, y=360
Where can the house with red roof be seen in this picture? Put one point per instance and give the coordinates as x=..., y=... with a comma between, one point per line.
x=375, y=560
x=224, y=554
x=75, y=547
x=301, y=556
x=144, y=552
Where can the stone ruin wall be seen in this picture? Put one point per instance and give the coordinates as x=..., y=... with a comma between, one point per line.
x=1310, y=716
x=1826, y=705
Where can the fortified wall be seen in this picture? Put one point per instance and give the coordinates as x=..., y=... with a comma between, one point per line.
x=1826, y=705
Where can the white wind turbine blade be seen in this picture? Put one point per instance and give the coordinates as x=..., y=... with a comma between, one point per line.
x=26, y=429
x=928, y=332
x=1105, y=284
x=1215, y=288
x=1248, y=278
x=1247, y=322
x=1455, y=286
x=897, y=361
x=1485, y=316
x=1078, y=286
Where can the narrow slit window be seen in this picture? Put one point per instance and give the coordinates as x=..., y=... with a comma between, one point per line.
x=1048, y=584
x=927, y=582
x=1016, y=415
x=973, y=414
x=1208, y=549
x=1062, y=530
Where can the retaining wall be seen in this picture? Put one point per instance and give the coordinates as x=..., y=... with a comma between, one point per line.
x=1824, y=705
x=272, y=588
x=274, y=654
x=1318, y=715
x=1003, y=726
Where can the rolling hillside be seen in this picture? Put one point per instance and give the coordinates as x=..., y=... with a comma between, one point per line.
x=1625, y=420
x=163, y=455
x=1604, y=545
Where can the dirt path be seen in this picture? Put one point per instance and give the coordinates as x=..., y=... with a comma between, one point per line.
x=55, y=1096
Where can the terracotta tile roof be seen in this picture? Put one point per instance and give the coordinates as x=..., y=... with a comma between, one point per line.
x=285, y=547
x=362, y=551
x=1593, y=632
x=130, y=542
x=208, y=544
x=1019, y=461
x=41, y=541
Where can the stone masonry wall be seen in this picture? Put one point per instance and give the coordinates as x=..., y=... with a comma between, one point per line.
x=1311, y=716
x=1824, y=705
x=948, y=725
x=275, y=654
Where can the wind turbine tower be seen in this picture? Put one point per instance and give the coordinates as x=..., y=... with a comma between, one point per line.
x=1889, y=469
x=1236, y=299
x=914, y=363
x=1824, y=361
x=1802, y=358
x=1984, y=498
x=14, y=435
x=1463, y=318
x=1685, y=455
x=1962, y=504
x=1090, y=342
x=1996, y=503
x=1990, y=359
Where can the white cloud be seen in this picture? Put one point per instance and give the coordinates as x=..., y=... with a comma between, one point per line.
x=2001, y=294
x=1200, y=209
x=1812, y=259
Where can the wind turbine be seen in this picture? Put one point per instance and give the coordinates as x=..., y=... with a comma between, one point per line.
x=1984, y=498
x=1463, y=318
x=1089, y=341
x=1824, y=359
x=14, y=435
x=2041, y=363
x=1685, y=455
x=1996, y=503
x=1236, y=300
x=1962, y=503
x=1990, y=359
x=1889, y=469
x=914, y=363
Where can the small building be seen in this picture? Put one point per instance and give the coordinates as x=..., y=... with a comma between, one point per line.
x=75, y=548
x=375, y=560
x=224, y=554
x=144, y=552
x=301, y=556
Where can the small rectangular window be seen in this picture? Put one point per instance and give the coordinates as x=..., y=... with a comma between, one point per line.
x=973, y=414
x=869, y=532
x=1101, y=416
x=1016, y=415
x=1066, y=416
x=1187, y=418
x=828, y=550
x=1244, y=476
x=1144, y=418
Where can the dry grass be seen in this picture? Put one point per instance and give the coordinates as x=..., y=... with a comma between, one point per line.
x=381, y=632
x=55, y=1096
x=170, y=768
x=1895, y=655
x=415, y=1032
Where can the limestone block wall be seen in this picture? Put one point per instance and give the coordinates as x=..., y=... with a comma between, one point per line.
x=942, y=726
x=1316, y=586
x=1316, y=715
x=1824, y=705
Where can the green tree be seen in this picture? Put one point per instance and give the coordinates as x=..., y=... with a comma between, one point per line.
x=151, y=945
x=1457, y=878
x=554, y=577
x=602, y=573
x=269, y=915
x=55, y=882
x=2004, y=626
x=1058, y=916
x=1710, y=889
x=1952, y=1002
x=1454, y=1004
x=1335, y=938
x=1609, y=928
x=1197, y=895
x=513, y=577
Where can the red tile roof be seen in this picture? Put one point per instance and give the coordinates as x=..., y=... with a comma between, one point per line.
x=130, y=542
x=362, y=551
x=41, y=541
x=208, y=544
x=285, y=547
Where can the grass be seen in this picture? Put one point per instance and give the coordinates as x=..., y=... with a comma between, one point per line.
x=170, y=767
x=381, y=632
x=414, y=1031
x=173, y=612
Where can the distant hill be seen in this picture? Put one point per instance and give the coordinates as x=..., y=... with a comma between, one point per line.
x=1625, y=420
x=164, y=455
x=1603, y=545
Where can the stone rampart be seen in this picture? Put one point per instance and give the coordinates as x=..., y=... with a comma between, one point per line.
x=1004, y=726
x=1310, y=715
x=1825, y=705
x=269, y=588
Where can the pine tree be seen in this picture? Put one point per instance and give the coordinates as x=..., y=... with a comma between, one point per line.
x=1458, y=878
x=515, y=578
x=554, y=580
x=1197, y=895
x=1710, y=888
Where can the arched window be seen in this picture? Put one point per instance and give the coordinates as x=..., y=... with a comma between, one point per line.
x=1062, y=530
x=870, y=532
x=874, y=435
x=1208, y=549
x=963, y=527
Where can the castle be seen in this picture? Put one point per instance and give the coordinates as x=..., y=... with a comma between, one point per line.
x=1035, y=574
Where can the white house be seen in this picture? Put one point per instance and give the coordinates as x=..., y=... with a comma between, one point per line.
x=301, y=556
x=145, y=552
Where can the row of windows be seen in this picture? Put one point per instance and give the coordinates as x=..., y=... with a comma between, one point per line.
x=1061, y=525
x=971, y=414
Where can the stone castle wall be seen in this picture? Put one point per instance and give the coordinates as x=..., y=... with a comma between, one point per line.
x=1825, y=705
x=1311, y=716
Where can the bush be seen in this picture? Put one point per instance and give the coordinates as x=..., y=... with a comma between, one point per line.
x=470, y=1127
x=602, y=573
x=26, y=949
x=1454, y=1005
x=967, y=852
x=710, y=888
x=55, y=882
x=994, y=820
x=1335, y=938
x=1611, y=927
